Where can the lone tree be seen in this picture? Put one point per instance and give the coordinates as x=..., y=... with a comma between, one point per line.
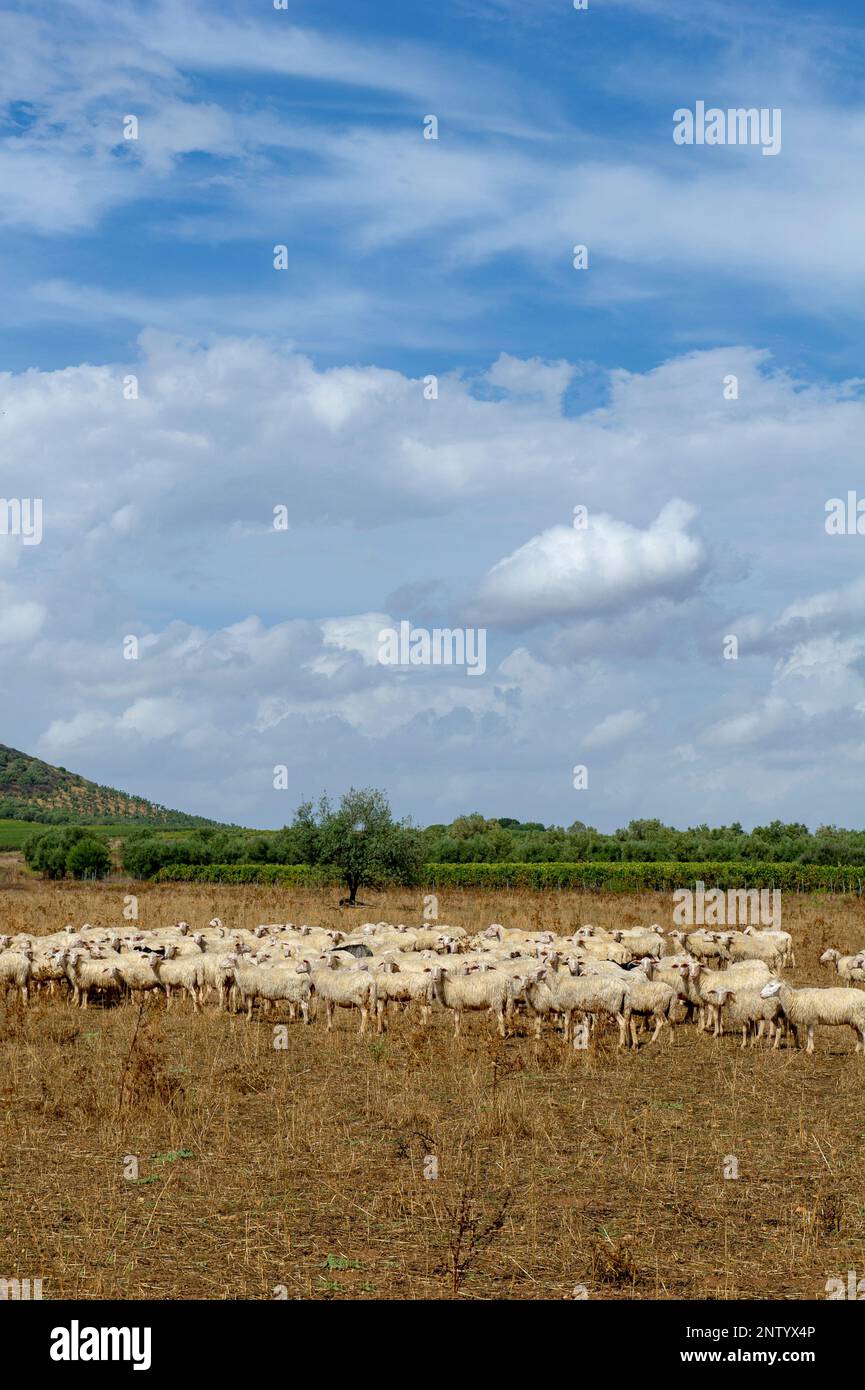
x=364, y=841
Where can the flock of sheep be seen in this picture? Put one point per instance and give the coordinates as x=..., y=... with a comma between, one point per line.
x=637, y=978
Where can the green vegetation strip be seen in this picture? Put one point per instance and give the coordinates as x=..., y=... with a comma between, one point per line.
x=624, y=878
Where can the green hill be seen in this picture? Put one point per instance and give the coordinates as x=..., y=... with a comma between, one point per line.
x=31, y=790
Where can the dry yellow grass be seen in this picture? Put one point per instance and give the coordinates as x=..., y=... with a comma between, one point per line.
x=556, y=1168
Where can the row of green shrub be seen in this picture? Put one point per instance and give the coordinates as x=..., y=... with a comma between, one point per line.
x=622, y=878
x=295, y=875
x=641, y=877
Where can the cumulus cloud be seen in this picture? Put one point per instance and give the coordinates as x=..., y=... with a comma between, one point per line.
x=615, y=729
x=530, y=376
x=21, y=620
x=567, y=571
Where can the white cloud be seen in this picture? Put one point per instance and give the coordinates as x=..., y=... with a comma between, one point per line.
x=530, y=376
x=20, y=620
x=614, y=729
x=64, y=734
x=567, y=571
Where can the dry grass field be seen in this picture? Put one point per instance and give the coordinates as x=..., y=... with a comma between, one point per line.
x=304, y=1168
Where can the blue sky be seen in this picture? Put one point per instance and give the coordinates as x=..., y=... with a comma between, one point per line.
x=557, y=387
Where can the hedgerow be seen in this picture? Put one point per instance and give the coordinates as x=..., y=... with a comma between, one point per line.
x=610, y=877
x=296, y=875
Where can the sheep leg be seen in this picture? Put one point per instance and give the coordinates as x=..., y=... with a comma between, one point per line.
x=500, y=1015
x=381, y=1017
x=658, y=1026
x=364, y=1015
x=458, y=1015
x=809, y=1046
x=249, y=1009
x=328, y=1004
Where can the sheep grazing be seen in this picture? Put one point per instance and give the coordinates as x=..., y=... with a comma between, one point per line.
x=748, y=1009
x=808, y=1008
x=345, y=989
x=460, y=989
x=848, y=967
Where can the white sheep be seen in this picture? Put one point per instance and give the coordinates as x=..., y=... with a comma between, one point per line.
x=588, y=994
x=283, y=983
x=137, y=971
x=345, y=989
x=697, y=981
x=88, y=973
x=745, y=1008
x=651, y=999
x=751, y=945
x=175, y=971
x=404, y=983
x=783, y=939
x=703, y=945
x=459, y=989
x=48, y=967
x=641, y=942
x=217, y=973
x=848, y=967
x=806, y=1008
x=15, y=969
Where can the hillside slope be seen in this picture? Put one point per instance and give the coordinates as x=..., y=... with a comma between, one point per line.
x=36, y=791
